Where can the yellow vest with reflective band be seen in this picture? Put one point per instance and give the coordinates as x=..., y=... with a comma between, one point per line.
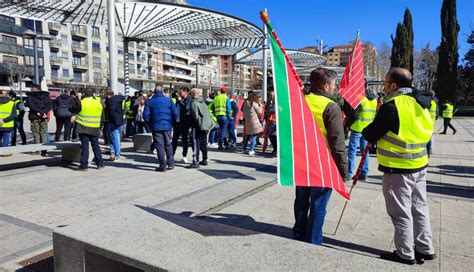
x=211, y=112
x=128, y=110
x=407, y=150
x=5, y=111
x=448, y=112
x=174, y=100
x=366, y=115
x=91, y=113
x=317, y=104
x=16, y=102
x=433, y=110
x=220, y=105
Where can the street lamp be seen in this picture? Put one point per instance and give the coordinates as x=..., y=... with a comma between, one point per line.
x=29, y=34
x=197, y=63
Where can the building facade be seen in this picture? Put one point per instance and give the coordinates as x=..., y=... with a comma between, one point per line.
x=339, y=56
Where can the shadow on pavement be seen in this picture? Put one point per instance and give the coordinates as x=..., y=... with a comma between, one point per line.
x=255, y=165
x=224, y=224
x=226, y=174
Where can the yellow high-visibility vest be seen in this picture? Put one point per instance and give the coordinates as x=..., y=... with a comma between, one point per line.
x=91, y=113
x=407, y=149
x=448, y=112
x=220, y=105
x=211, y=112
x=433, y=110
x=366, y=116
x=5, y=111
x=317, y=104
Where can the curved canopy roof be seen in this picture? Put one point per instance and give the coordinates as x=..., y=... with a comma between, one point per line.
x=306, y=71
x=299, y=58
x=170, y=25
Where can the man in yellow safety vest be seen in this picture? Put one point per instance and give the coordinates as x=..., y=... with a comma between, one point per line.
x=7, y=118
x=402, y=128
x=88, y=112
x=448, y=112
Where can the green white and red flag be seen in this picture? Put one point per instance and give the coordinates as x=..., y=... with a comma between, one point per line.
x=303, y=157
x=352, y=86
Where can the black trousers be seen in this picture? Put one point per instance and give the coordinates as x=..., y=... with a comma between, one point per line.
x=130, y=128
x=199, y=144
x=181, y=129
x=105, y=133
x=162, y=140
x=447, y=123
x=19, y=127
x=273, y=141
x=94, y=141
x=60, y=122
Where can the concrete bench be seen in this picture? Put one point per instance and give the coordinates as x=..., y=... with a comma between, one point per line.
x=142, y=141
x=136, y=238
x=70, y=151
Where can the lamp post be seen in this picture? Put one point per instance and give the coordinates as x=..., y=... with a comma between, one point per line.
x=197, y=63
x=29, y=34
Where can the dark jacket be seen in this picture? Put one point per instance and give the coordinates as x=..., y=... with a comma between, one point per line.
x=62, y=105
x=20, y=107
x=77, y=108
x=160, y=113
x=201, y=117
x=4, y=100
x=235, y=108
x=114, y=111
x=387, y=120
x=184, y=106
x=332, y=117
x=39, y=103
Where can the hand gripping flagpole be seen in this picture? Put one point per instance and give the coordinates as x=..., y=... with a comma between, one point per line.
x=354, y=181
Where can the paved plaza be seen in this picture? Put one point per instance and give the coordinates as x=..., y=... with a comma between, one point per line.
x=38, y=195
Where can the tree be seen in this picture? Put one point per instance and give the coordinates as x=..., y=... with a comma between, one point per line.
x=466, y=76
x=426, y=62
x=402, y=49
x=447, y=73
x=383, y=59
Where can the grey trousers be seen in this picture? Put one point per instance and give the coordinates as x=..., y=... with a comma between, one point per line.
x=405, y=200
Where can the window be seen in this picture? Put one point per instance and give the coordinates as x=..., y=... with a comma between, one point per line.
x=77, y=76
x=8, y=40
x=54, y=73
x=96, y=60
x=66, y=73
x=63, y=39
x=95, y=47
x=65, y=55
x=7, y=19
x=226, y=71
x=97, y=75
x=36, y=26
x=10, y=59
x=226, y=65
x=95, y=31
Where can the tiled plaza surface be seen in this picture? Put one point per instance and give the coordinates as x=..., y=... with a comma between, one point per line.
x=45, y=194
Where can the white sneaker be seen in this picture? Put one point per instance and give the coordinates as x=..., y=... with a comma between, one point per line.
x=251, y=153
x=214, y=145
x=184, y=160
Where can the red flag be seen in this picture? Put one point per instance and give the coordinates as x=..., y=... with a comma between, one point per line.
x=303, y=157
x=352, y=86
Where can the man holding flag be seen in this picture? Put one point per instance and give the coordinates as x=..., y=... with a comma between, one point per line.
x=402, y=128
x=327, y=115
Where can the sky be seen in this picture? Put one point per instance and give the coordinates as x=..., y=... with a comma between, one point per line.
x=300, y=22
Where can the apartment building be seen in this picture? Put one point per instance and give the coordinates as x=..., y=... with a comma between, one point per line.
x=339, y=56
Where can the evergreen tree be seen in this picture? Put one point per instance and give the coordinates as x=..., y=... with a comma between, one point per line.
x=408, y=24
x=446, y=75
x=400, y=57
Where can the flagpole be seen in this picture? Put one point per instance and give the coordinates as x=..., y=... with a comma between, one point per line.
x=354, y=182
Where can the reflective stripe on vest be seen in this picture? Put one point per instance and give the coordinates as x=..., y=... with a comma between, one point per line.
x=433, y=110
x=366, y=115
x=220, y=105
x=90, y=114
x=317, y=104
x=448, y=112
x=5, y=111
x=407, y=150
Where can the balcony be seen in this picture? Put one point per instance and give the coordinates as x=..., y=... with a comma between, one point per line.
x=55, y=60
x=80, y=78
x=18, y=50
x=79, y=32
x=96, y=51
x=55, y=43
x=97, y=65
x=79, y=48
x=80, y=64
x=12, y=28
x=27, y=70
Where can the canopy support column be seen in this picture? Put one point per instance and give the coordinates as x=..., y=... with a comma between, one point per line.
x=126, y=64
x=113, y=81
x=265, y=63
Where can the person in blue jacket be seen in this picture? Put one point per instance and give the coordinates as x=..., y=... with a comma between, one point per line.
x=160, y=113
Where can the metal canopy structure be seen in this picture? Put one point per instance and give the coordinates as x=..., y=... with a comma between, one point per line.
x=306, y=71
x=299, y=59
x=173, y=26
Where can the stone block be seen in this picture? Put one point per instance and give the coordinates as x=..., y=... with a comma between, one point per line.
x=72, y=153
x=142, y=142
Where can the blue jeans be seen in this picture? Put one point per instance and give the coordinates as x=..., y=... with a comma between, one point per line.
x=232, y=138
x=115, y=134
x=5, y=135
x=429, y=147
x=253, y=141
x=315, y=199
x=212, y=135
x=223, y=123
x=355, y=140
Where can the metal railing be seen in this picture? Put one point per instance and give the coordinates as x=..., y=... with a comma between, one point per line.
x=78, y=31
x=80, y=64
x=54, y=26
x=79, y=47
x=55, y=60
x=55, y=43
x=97, y=65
